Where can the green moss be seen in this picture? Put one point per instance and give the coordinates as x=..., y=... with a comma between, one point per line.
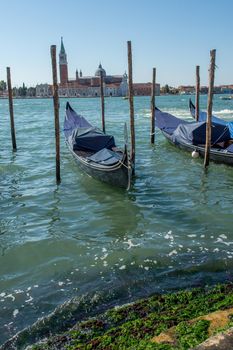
x=40, y=347
x=132, y=326
x=190, y=335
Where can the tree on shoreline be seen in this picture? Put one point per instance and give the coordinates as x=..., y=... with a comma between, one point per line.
x=166, y=89
x=2, y=85
x=23, y=91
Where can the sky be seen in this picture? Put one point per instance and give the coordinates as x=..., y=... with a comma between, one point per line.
x=172, y=35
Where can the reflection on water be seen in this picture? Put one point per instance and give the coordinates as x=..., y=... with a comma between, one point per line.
x=172, y=230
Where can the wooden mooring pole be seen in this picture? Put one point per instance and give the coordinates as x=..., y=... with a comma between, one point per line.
x=197, y=92
x=102, y=100
x=11, y=109
x=56, y=110
x=152, y=137
x=209, y=107
x=131, y=106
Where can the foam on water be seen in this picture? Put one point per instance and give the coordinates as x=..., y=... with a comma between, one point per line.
x=224, y=111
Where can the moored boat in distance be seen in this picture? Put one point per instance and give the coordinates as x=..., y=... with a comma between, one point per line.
x=226, y=98
x=191, y=136
x=95, y=152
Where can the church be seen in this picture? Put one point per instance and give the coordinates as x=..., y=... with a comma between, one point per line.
x=89, y=86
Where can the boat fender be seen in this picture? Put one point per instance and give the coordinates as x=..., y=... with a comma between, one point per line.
x=195, y=154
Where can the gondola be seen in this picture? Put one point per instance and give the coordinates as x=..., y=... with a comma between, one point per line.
x=203, y=116
x=95, y=152
x=191, y=136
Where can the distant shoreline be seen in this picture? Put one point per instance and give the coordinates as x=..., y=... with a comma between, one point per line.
x=94, y=97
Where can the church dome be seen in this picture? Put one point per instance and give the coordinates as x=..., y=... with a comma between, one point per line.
x=99, y=70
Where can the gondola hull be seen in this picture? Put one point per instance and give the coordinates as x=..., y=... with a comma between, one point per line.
x=117, y=175
x=216, y=155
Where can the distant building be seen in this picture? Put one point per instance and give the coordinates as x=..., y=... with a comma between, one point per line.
x=204, y=89
x=4, y=94
x=43, y=90
x=222, y=89
x=186, y=89
x=226, y=89
x=89, y=86
x=144, y=89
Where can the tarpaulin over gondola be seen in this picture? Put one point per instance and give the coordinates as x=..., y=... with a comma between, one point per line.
x=203, y=117
x=83, y=135
x=167, y=122
x=92, y=139
x=192, y=133
x=195, y=133
x=73, y=121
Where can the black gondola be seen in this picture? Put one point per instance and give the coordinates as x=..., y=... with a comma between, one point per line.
x=191, y=136
x=95, y=152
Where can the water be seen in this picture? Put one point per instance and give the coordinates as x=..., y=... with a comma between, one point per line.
x=172, y=230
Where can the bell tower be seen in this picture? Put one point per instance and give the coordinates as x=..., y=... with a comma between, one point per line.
x=63, y=65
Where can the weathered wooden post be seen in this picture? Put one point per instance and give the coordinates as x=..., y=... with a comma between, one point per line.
x=152, y=137
x=131, y=106
x=197, y=92
x=209, y=107
x=102, y=100
x=56, y=110
x=11, y=109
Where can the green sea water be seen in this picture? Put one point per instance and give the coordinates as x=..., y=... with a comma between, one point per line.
x=83, y=238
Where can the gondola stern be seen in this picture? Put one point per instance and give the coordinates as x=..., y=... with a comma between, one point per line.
x=128, y=164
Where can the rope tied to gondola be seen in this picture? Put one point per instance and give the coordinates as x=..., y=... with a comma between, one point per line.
x=122, y=163
x=224, y=131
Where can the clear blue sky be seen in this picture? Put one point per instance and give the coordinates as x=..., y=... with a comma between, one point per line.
x=172, y=35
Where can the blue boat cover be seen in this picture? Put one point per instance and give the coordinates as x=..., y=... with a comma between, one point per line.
x=203, y=117
x=192, y=133
x=83, y=135
x=167, y=122
x=106, y=157
x=73, y=121
x=195, y=133
x=92, y=139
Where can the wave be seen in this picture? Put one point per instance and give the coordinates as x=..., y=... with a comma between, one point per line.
x=176, y=112
x=96, y=302
x=66, y=315
x=224, y=111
